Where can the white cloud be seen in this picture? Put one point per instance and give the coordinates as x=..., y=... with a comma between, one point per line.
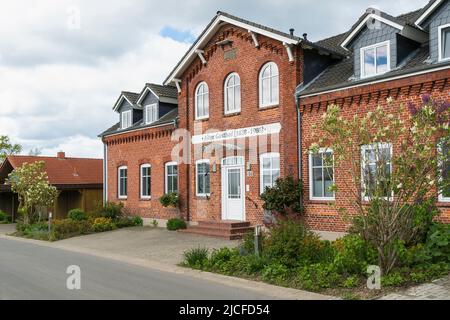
x=58, y=85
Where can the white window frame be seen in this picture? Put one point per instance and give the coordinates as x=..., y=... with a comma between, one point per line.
x=263, y=156
x=205, y=93
x=197, y=163
x=151, y=108
x=375, y=46
x=373, y=146
x=440, y=38
x=124, y=125
x=441, y=198
x=166, y=176
x=141, y=176
x=119, y=195
x=311, y=182
x=234, y=87
x=260, y=79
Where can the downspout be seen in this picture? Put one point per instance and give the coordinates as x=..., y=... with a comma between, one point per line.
x=105, y=172
x=299, y=137
x=188, y=168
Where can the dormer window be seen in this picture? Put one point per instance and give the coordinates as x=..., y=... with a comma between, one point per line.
x=375, y=60
x=126, y=121
x=444, y=42
x=151, y=113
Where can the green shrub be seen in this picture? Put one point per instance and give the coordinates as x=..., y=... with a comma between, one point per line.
x=196, y=258
x=438, y=243
x=155, y=223
x=38, y=231
x=318, y=276
x=3, y=217
x=220, y=257
x=63, y=229
x=170, y=200
x=393, y=279
x=253, y=265
x=126, y=222
x=137, y=221
x=292, y=245
x=351, y=282
x=275, y=272
x=353, y=255
x=176, y=224
x=77, y=215
x=110, y=210
x=285, y=197
x=102, y=224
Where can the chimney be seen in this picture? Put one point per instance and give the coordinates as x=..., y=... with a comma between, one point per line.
x=291, y=31
x=305, y=36
x=61, y=155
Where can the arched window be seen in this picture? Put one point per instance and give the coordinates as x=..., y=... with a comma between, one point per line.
x=202, y=101
x=269, y=85
x=232, y=93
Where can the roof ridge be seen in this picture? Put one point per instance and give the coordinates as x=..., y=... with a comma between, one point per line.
x=51, y=157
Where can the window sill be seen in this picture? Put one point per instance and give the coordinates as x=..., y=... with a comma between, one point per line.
x=202, y=197
x=122, y=198
x=321, y=201
x=145, y=199
x=201, y=119
x=227, y=115
x=268, y=107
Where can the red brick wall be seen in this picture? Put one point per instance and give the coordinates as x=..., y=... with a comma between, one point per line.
x=248, y=63
x=323, y=215
x=152, y=146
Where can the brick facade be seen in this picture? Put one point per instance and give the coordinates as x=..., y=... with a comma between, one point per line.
x=324, y=215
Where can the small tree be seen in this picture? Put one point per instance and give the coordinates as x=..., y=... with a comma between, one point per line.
x=285, y=197
x=30, y=182
x=7, y=148
x=385, y=186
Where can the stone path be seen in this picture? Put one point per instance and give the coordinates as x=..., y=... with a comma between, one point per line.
x=437, y=290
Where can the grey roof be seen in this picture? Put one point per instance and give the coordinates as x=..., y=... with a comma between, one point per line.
x=169, y=118
x=163, y=91
x=424, y=9
x=341, y=73
x=132, y=96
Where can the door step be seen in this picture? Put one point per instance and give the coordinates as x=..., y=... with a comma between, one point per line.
x=231, y=230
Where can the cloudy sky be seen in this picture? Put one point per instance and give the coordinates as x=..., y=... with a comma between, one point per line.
x=63, y=63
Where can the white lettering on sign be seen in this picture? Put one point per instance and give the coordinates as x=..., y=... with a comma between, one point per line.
x=266, y=129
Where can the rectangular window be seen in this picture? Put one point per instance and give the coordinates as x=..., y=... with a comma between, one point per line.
x=375, y=60
x=126, y=119
x=122, y=182
x=203, y=178
x=151, y=113
x=444, y=42
x=171, y=177
x=146, y=171
x=376, y=169
x=444, y=195
x=321, y=175
x=269, y=170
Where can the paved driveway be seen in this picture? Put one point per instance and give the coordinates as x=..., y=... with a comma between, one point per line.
x=7, y=228
x=154, y=244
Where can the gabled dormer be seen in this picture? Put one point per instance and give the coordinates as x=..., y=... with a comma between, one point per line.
x=157, y=101
x=435, y=19
x=380, y=43
x=128, y=109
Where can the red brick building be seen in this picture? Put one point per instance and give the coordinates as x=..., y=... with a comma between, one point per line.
x=243, y=99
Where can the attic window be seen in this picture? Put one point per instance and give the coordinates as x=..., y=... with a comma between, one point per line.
x=126, y=119
x=151, y=113
x=444, y=42
x=375, y=60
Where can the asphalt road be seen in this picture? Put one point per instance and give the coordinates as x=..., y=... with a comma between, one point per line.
x=30, y=271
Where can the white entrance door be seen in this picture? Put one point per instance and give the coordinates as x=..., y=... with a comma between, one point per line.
x=233, y=189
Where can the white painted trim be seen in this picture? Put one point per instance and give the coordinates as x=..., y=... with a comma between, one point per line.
x=428, y=12
x=226, y=95
x=213, y=28
x=142, y=166
x=375, y=46
x=178, y=84
x=240, y=163
x=376, y=82
x=310, y=169
x=289, y=51
x=372, y=147
x=139, y=129
x=440, y=38
x=119, y=102
x=167, y=164
x=147, y=88
x=121, y=119
x=364, y=22
x=254, y=38
x=263, y=156
x=260, y=82
x=120, y=196
x=200, y=54
x=146, y=107
x=441, y=198
x=196, y=100
x=196, y=178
